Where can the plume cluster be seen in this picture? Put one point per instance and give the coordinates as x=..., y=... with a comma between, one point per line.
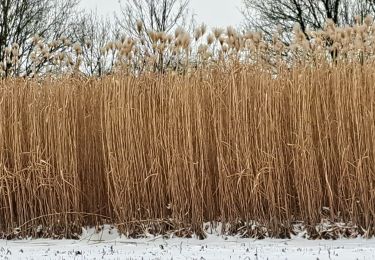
x=181, y=52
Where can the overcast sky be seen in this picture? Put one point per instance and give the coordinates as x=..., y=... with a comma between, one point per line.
x=215, y=13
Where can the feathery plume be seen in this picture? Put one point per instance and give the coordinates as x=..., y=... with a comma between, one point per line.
x=210, y=39
x=139, y=24
x=217, y=32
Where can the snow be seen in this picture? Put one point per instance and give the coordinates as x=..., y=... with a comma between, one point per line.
x=107, y=244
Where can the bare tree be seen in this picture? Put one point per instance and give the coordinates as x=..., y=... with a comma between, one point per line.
x=20, y=20
x=94, y=33
x=139, y=18
x=267, y=15
x=155, y=15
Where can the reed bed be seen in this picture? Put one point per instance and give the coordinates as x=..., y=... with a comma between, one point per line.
x=165, y=153
x=264, y=138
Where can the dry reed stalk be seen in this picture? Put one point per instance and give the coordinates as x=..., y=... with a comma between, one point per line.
x=162, y=153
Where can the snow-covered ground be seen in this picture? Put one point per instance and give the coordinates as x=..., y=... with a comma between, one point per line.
x=110, y=246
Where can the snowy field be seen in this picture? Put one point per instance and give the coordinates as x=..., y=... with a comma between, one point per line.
x=111, y=246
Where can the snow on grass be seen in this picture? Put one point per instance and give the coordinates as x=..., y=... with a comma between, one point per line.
x=107, y=244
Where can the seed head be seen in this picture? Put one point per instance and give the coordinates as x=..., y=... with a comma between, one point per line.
x=221, y=40
x=8, y=50
x=197, y=33
x=35, y=39
x=88, y=43
x=45, y=52
x=203, y=28
x=70, y=61
x=15, y=52
x=218, y=32
x=185, y=41
x=210, y=39
x=169, y=39
x=103, y=51
x=231, y=32
x=61, y=56
x=67, y=42
x=162, y=36
x=33, y=56
x=143, y=41
x=178, y=32
x=224, y=48
x=139, y=26
x=77, y=48
x=368, y=20
x=153, y=36
x=15, y=46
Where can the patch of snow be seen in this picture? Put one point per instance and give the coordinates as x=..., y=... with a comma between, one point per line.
x=108, y=244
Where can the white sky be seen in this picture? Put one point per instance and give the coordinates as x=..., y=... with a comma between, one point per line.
x=214, y=13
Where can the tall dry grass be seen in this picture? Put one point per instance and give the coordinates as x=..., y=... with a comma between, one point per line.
x=163, y=153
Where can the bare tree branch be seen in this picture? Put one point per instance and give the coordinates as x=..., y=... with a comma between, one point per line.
x=20, y=20
x=267, y=15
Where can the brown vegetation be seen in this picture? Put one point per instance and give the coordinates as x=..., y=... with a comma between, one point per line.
x=256, y=145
